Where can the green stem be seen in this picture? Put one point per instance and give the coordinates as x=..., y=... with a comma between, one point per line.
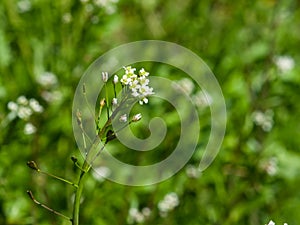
x=80, y=183
x=58, y=178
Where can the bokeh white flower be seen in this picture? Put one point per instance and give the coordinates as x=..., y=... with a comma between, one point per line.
x=67, y=18
x=136, y=216
x=35, y=105
x=12, y=106
x=284, y=63
x=169, y=202
x=263, y=119
x=29, y=129
x=47, y=79
x=24, y=6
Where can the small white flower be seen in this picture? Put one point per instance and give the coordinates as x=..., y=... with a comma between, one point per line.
x=137, y=117
x=284, y=63
x=135, y=93
x=116, y=79
x=29, y=129
x=144, y=100
x=104, y=77
x=24, y=6
x=123, y=118
x=129, y=70
x=271, y=223
x=143, y=80
x=12, y=106
x=146, y=211
x=125, y=80
x=47, y=79
x=142, y=72
x=35, y=105
x=24, y=112
x=22, y=100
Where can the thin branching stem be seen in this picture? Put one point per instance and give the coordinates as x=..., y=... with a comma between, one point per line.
x=46, y=207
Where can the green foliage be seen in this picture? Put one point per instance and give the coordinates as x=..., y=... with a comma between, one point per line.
x=255, y=177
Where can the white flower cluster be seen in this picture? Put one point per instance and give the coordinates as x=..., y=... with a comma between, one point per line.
x=264, y=120
x=136, y=216
x=24, y=108
x=272, y=223
x=169, y=202
x=138, y=84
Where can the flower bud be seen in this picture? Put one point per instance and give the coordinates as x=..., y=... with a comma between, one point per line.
x=137, y=117
x=102, y=102
x=104, y=76
x=74, y=159
x=116, y=79
x=78, y=118
x=33, y=165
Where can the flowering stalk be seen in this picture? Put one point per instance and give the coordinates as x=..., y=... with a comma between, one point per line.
x=135, y=87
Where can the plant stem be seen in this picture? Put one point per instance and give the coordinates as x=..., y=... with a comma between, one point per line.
x=80, y=183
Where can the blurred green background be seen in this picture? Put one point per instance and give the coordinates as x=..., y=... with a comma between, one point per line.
x=252, y=47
